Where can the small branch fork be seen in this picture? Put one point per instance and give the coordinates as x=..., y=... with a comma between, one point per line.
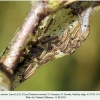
x=39, y=10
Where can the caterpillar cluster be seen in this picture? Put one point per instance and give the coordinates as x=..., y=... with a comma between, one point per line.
x=60, y=46
x=62, y=42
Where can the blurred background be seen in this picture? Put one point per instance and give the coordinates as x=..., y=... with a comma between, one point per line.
x=77, y=72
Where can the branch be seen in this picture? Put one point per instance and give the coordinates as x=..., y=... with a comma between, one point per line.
x=34, y=44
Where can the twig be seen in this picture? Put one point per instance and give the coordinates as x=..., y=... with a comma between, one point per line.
x=39, y=10
x=21, y=70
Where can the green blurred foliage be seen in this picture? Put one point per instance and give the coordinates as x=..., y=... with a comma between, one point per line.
x=77, y=72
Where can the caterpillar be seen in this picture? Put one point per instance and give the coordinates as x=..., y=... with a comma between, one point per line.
x=58, y=35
